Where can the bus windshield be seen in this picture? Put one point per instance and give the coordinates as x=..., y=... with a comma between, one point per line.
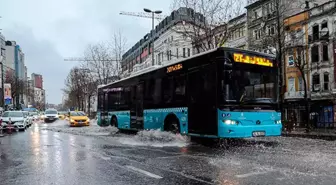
x=241, y=85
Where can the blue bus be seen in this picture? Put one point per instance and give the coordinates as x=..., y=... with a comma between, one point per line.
x=222, y=93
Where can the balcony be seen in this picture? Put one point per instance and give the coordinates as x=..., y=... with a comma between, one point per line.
x=295, y=95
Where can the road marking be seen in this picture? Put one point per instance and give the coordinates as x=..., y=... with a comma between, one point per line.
x=250, y=174
x=144, y=172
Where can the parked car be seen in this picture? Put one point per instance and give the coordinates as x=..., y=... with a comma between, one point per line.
x=34, y=116
x=28, y=119
x=50, y=115
x=14, y=119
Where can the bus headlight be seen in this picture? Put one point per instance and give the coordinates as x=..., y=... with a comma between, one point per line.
x=230, y=122
x=278, y=122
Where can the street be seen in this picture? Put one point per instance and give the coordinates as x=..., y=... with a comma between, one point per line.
x=56, y=154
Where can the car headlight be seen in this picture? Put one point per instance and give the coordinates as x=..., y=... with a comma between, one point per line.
x=277, y=122
x=88, y=120
x=71, y=120
x=230, y=122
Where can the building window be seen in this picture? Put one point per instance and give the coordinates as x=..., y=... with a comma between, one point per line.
x=242, y=32
x=316, y=82
x=167, y=55
x=326, y=81
x=177, y=54
x=255, y=14
x=316, y=32
x=291, y=85
x=301, y=85
x=270, y=30
x=290, y=60
x=184, y=53
x=188, y=52
x=325, y=52
x=324, y=25
x=257, y=34
x=315, y=53
x=172, y=38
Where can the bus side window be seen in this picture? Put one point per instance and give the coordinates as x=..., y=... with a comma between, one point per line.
x=127, y=97
x=179, y=90
x=149, y=91
x=157, y=91
x=168, y=90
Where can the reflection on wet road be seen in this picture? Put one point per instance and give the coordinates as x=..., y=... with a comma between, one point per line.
x=49, y=156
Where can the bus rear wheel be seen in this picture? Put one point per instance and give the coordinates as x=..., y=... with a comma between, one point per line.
x=172, y=124
x=114, y=122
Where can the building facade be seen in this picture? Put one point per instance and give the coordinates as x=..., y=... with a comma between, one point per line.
x=37, y=80
x=169, y=42
x=296, y=57
x=310, y=39
x=237, y=28
x=321, y=43
x=2, y=69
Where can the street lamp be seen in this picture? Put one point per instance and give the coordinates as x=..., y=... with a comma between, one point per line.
x=153, y=13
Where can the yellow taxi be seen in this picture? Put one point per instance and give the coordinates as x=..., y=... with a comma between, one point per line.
x=78, y=118
x=42, y=116
x=62, y=115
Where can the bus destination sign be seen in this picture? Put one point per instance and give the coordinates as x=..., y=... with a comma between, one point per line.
x=173, y=68
x=243, y=58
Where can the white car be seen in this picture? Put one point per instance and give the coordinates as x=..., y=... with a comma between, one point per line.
x=28, y=119
x=15, y=118
x=50, y=115
x=34, y=116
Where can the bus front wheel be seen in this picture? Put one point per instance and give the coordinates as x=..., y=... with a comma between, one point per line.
x=114, y=121
x=172, y=124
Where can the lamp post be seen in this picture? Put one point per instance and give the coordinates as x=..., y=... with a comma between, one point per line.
x=153, y=13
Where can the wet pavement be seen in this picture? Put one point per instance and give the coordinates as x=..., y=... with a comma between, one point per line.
x=56, y=154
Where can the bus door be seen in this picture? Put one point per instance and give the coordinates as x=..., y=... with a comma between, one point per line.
x=137, y=106
x=202, y=112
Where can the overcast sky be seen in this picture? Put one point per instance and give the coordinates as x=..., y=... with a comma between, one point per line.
x=50, y=30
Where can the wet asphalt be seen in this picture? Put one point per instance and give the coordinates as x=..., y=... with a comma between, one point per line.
x=40, y=156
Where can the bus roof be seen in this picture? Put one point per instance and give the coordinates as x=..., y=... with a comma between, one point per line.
x=153, y=68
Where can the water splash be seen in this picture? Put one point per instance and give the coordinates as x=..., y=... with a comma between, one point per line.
x=92, y=130
x=156, y=138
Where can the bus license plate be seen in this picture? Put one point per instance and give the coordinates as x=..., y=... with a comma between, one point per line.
x=258, y=134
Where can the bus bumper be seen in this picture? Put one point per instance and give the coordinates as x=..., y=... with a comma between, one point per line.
x=238, y=131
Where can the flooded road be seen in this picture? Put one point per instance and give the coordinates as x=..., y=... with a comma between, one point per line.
x=56, y=154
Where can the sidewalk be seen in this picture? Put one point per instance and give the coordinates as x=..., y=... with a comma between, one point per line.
x=321, y=133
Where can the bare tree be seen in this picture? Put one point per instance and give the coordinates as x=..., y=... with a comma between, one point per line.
x=18, y=86
x=208, y=22
x=302, y=65
x=103, y=60
x=118, y=46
